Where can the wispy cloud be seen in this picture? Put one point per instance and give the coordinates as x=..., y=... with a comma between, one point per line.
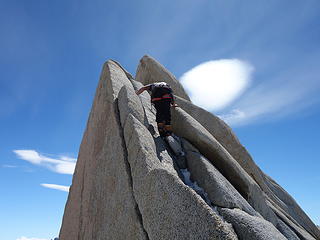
x=27, y=238
x=234, y=117
x=56, y=187
x=23, y=168
x=215, y=84
x=8, y=166
x=289, y=93
x=62, y=164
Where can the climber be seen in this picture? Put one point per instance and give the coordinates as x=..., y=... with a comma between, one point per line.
x=162, y=98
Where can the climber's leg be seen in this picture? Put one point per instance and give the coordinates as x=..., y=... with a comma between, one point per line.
x=161, y=129
x=167, y=117
x=163, y=117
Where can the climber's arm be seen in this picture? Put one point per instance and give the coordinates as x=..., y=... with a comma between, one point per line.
x=141, y=90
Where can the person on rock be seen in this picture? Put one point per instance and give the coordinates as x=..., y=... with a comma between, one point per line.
x=162, y=98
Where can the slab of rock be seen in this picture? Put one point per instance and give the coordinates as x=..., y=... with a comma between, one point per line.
x=129, y=103
x=199, y=137
x=250, y=227
x=220, y=192
x=210, y=148
x=101, y=204
x=150, y=71
x=169, y=209
x=225, y=136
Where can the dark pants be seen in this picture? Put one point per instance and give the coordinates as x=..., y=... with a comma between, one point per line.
x=163, y=111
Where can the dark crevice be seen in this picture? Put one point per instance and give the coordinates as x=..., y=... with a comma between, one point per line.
x=128, y=168
x=201, y=193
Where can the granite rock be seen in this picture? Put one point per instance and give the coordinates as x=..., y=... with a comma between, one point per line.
x=170, y=210
x=225, y=136
x=250, y=227
x=220, y=192
x=127, y=184
x=101, y=195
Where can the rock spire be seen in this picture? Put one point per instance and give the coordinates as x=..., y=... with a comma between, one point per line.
x=128, y=183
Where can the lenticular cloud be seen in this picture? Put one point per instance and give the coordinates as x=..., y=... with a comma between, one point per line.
x=215, y=84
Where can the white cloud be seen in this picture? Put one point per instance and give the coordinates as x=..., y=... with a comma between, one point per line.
x=30, y=156
x=56, y=187
x=26, y=238
x=63, y=165
x=215, y=84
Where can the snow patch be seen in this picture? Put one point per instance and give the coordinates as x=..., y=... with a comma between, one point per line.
x=194, y=185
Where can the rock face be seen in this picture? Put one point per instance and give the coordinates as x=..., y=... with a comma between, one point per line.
x=127, y=183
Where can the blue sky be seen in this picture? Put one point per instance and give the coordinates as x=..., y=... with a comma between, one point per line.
x=51, y=57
